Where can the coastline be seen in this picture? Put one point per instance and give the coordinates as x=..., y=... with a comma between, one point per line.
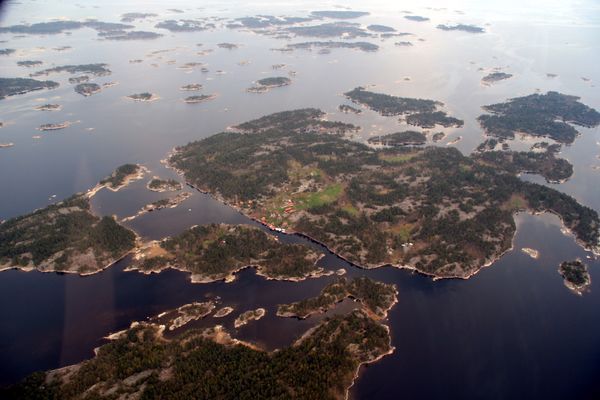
x=487, y=262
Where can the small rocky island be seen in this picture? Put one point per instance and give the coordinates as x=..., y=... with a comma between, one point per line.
x=192, y=87
x=54, y=126
x=49, y=107
x=216, y=252
x=247, y=316
x=376, y=298
x=87, y=89
x=546, y=115
x=495, y=77
x=575, y=276
x=163, y=185
x=199, y=98
x=461, y=27
x=265, y=84
x=144, y=96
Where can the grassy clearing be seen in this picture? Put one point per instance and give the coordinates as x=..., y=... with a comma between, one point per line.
x=328, y=195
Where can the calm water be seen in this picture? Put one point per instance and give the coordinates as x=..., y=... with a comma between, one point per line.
x=512, y=331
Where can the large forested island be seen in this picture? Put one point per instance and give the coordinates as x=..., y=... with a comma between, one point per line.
x=433, y=209
x=216, y=252
x=64, y=237
x=419, y=112
x=548, y=115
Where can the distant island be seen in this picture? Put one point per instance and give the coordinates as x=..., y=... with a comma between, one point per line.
x=87, y=89
x=461, y=27
x=132, y=16
x=416, y=18
x=228, y=46
x=144, y=96
x=433, y=210
x=339, y=14
x=187, y=25
x=546, y=115
x=263, y=85
x=216, y=252
x=54, y=126
x=332, y=29
x=405, y=138
x=6, y=52
x=403, y=44
x=419, y=112
x=199, y=98
x=575, y=276
x=98, y=69
x=364, y=46
x=191, y=87
x=133, y=35
x=29, y=63
x=49, y=107
x=17, y=86
x=380, y=28
x=376, y=298
x=495, y=77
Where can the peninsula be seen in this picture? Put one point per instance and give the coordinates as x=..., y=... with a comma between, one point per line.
x=141, y=362
x=217, y=251
x=376, y=298
x=63, y=237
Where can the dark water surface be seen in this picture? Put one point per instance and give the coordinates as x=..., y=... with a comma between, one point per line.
x=512, y=331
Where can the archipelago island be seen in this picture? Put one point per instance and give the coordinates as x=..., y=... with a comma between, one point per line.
x=429, y=209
